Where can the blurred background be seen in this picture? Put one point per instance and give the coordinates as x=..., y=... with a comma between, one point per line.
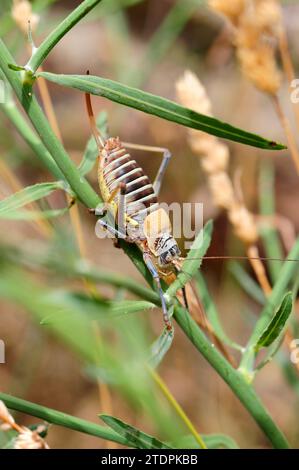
x=148, y=44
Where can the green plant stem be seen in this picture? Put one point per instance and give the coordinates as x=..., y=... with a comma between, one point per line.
x=24, y=94
x=61, y=419
x=85, y=193
x=13, y=114
x=232, y=377
x=269, y=234
x=54, y=37
x=116, y=280
x=288, y=270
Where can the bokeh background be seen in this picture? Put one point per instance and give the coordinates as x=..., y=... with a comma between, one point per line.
x=120, y=40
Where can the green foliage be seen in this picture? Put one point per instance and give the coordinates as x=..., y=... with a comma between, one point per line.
x=135, y=438
x=194, y=259
x=212, y=441
x=275, y=328
x=158, y=106
x=9, y=207
x=123, y=351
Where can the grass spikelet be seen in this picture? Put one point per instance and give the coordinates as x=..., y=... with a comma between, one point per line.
x=258, y=29
x=22, y=14
x=214, y=156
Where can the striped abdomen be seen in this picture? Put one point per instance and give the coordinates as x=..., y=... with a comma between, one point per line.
x=117, y=166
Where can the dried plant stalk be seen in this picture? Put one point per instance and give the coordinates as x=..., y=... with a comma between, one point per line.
x=214, y=157
x=258, y=27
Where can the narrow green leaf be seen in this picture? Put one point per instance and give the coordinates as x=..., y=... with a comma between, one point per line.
x=271, y=352
x=212, y=441
x=33, y=215
x=27, y=195
x=159, y=348
x=16, y=68
x=158, y=106
x=125, y=307
x=135, y=437
x=277, y=324
x=246, y=282
x=61, y=419
x=194, y=259
x=272, y=242
x=93, y=309
x=91, y=152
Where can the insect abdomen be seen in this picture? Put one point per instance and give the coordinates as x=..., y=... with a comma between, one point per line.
x=117, y=166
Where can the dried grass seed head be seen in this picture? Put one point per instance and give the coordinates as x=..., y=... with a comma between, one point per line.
x=22, y=13
x=28, y=439
x=232, y=9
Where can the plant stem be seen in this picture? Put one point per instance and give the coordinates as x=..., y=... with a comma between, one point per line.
x=288, y=132
x=13, y=114
x=61, y=419
x=287, y=272
x=39, y=121
x=269, y=234
x=288, y=66
x=86, y=194
x=54, y=37
x=232, y=377
x=178, y=409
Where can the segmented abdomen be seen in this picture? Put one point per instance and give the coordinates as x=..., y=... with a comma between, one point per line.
x=117, y=166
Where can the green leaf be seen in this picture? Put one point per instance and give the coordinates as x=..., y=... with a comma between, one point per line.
x=245, y=281
x=33, y=215
x=125, y=307
x=212, y=441
x=91, y=152
x=16, y=68
x=159, y=348
x=93, y=309
x=136, y=438
x=194, y=259
x=61, y=419
x=27, y=195
x=158, y=106
x=277, y=324
x=271, y=352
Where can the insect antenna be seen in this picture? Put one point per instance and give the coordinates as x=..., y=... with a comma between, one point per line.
x=240, y=258
x=95, y=131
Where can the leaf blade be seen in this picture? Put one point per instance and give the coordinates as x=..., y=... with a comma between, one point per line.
x=158, y=106
x=134, y=436
x=28, y=195
x=277, y=324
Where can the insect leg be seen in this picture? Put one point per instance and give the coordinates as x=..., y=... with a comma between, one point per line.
x=166, y=157
x=152, y=269
x=121, y=208
x=161, y=172
x=117, y=233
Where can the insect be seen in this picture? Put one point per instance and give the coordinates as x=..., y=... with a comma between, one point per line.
x=132, y=200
